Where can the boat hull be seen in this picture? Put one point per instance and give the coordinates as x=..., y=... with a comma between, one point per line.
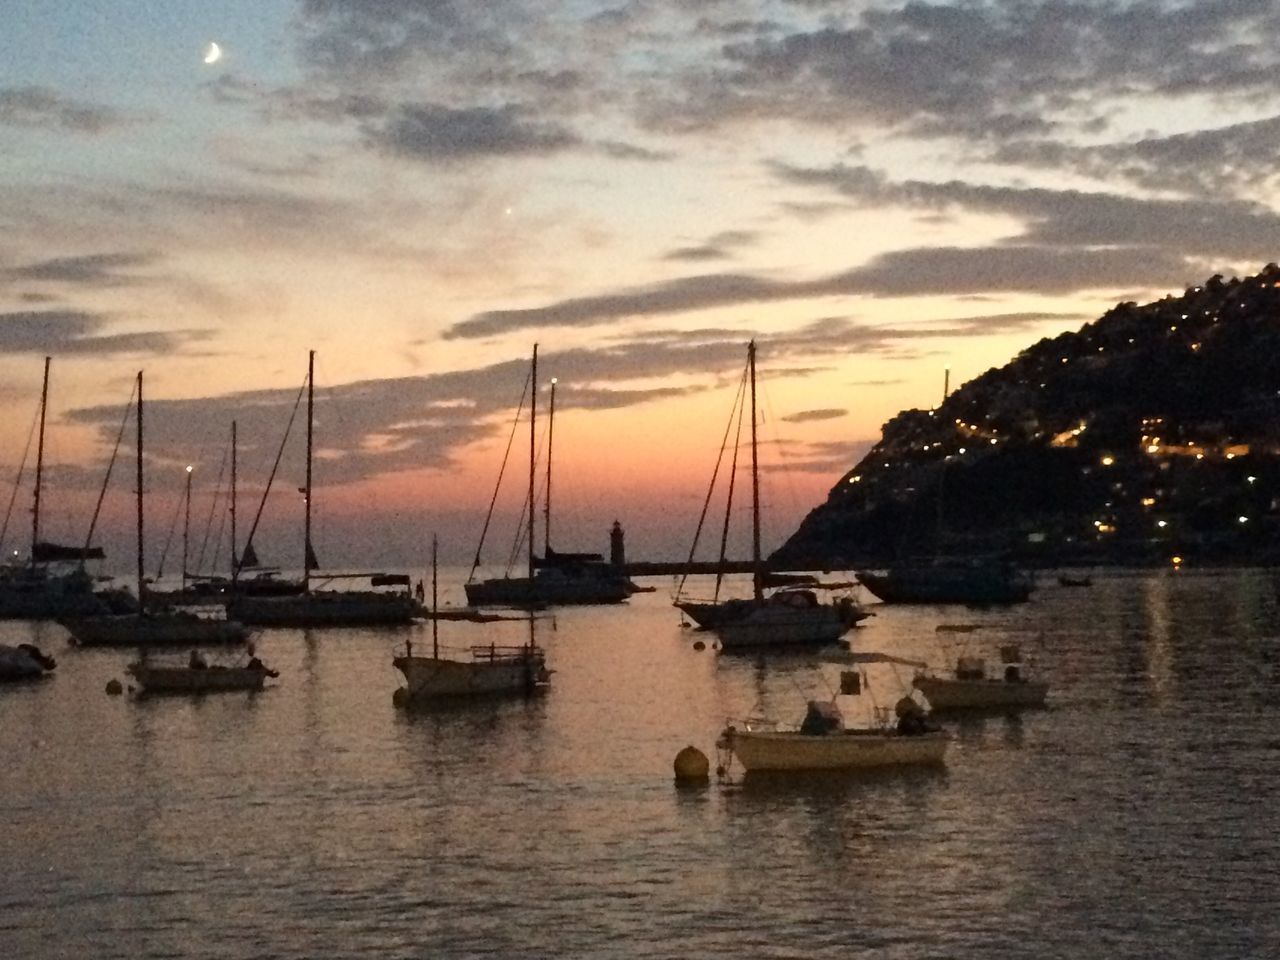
x=774, y=621
x=24, y=596
x=946, y=586
x=431, y=678
x=546, y=591
x=326, y=609
x=844, y=750
x=158, y=630
x=213, y=679
x=946, y=693
x=23, y=662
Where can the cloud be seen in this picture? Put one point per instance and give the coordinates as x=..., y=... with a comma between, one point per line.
x=811, y=416
x=1206, y=228
x=1224, y=159
x=931, y=270
x=97, y=270
x=718, y=247
x=77, y=332
x=431, y=132
x=42, y=108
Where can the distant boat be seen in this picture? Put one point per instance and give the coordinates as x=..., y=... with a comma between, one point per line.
x=555, y=579
x=24, y=661
x=150, y=628
x=323, y=608
x=824, y=742
x=1066, y=580
x=968, y=687
x=976, y=582
x=48, y=586
x=197, y=676
x=486, y=669
x=789, y=616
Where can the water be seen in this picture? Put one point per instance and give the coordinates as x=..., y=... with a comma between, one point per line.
x=1135, y=818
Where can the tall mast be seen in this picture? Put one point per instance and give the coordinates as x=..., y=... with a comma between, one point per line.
x=35, y=506
x=186, y=530
x=235, y=559
x=306, y=548
x=142, y=606
x=755, y=482
x=533, y=459
x=546, y=507
x=435, y=598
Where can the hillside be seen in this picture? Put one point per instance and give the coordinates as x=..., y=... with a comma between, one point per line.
x=1153, y=431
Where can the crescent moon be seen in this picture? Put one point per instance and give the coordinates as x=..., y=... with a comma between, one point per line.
x=213, y=53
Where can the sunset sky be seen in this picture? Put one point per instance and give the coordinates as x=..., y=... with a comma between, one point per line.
x=421, y=189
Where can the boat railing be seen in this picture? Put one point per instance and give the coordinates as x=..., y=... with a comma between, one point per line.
x=494, y=652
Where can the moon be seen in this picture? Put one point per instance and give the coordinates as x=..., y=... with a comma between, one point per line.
x=212, y=53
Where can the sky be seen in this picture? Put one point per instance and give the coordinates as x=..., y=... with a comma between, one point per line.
x=420, y=190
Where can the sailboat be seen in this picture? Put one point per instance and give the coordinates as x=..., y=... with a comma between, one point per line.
x=147, y=628
x=555, y=579
x=323, y=608
x=44, y=588
x=486, y=669
x=977, y=581
x=791, y=615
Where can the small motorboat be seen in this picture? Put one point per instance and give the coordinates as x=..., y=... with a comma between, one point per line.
x=199, y=676
x=24, y=661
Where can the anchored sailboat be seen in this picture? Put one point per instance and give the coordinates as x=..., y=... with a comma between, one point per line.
x=322, y=608
x=556, y=578
x=485, y=669
x=790, y=615
x=150, y=628
x=45, y=588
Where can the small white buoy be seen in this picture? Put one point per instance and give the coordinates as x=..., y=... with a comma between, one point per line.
x=114, y=688
x=691, y=766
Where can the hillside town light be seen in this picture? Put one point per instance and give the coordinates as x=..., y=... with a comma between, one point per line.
x=1243, y=519
x=1162, y=524
x=1251, y=479
x=1108, y=460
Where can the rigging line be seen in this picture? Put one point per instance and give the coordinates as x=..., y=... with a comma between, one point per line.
x=213, y=506
x=515, y=423
x=706, y=503
x=97, y=509
x=728, y=505
x=769, y=416
x=522, y=528
x=17, y=483
x=274, y=468
x=168, y=540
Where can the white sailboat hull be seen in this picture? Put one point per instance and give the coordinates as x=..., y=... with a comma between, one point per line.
x=430, y=678
x=154, y=630
x=843, y=750
x=949, y=693
x=779, y=624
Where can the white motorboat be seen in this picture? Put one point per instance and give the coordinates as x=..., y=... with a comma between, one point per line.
x=968, y=686
x=824, y=743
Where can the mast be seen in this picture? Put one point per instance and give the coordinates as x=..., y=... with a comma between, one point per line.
x=306, y=548
x=758, y=578
x=235, y=559
x=142, y=606
x=435, y=599
x=35, y=506
x=546, y=507
x=533, y=458
x=186, y=529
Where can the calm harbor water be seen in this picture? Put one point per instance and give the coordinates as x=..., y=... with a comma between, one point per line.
x=1137, y=817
